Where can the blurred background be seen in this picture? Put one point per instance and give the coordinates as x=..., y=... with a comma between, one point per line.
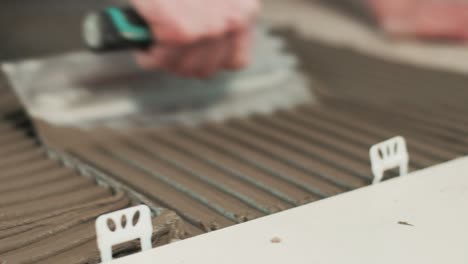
x=339, y=44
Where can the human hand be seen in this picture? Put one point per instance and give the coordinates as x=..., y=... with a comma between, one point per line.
x=198, y=38
x=436, y=19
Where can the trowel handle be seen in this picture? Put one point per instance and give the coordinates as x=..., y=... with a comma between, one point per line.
x=116, y=28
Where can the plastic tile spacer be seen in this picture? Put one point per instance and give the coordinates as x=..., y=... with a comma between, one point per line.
x=388, y=155
x=123, y=226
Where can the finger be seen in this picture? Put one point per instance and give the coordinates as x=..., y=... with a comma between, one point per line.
x=153, y=59
x=216, y=51
x=172, y=61
x=159, y=58
x=441, y=20
x=431, y=20
x=219, y=54
x=240, y=51
x=190, y=63
x=393, y=8
x=200, y=59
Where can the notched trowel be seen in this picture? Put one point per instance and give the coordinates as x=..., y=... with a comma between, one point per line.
x=86, y=89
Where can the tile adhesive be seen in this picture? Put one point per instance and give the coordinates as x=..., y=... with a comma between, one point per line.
x=216, y=174
x=47, y=210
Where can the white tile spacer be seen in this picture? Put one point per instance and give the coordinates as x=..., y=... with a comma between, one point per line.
x=387, y=155
x=123, y=226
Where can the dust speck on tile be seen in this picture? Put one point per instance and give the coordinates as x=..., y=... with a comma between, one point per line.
x=276, y=240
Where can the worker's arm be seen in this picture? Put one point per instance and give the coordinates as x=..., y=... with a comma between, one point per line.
x=441, y=19
x=198, y=38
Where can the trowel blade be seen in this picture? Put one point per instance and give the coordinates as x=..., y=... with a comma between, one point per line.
x=84, y=89
x=77, y=81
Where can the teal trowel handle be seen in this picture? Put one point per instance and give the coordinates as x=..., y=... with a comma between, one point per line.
x=116, y=28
